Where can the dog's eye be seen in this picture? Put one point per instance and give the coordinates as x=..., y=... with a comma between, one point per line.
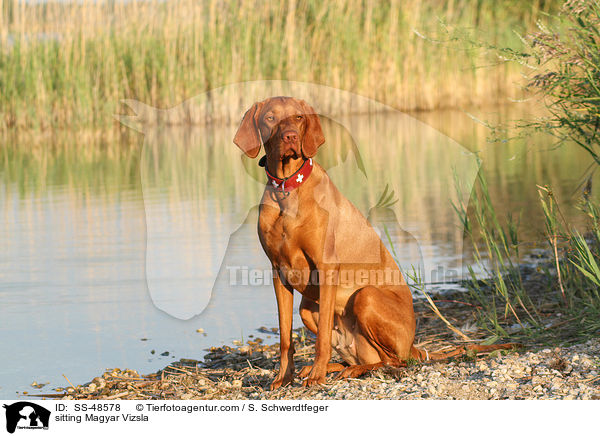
x=269, y=118
x=299, y=117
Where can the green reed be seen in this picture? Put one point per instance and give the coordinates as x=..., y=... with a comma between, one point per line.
x=508, y=294
x=497, y=282
x=70, y=63
x=563, y=60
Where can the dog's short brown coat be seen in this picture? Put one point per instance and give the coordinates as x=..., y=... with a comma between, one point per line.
x=313, y=235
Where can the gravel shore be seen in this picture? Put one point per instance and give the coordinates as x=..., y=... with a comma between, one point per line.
x=554, y=373
x=245, y=371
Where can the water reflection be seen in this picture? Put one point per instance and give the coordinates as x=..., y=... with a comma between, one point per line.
x=75, y=210
x=198, y=190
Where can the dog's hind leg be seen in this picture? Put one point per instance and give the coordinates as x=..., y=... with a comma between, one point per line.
x=384, y=332
x=331, y=367
x=309, y=313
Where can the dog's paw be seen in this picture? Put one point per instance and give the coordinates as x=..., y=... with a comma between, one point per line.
x=281, y=381
x=350, y=372
x=355, y=371
x=313, y=381
x=304, y=371
x=314, y=378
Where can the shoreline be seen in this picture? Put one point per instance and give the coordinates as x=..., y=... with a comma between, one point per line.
x=551, y=373
x=245, y=371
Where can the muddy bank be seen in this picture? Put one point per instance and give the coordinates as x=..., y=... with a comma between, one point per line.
x=553, y=373
x=245, y=371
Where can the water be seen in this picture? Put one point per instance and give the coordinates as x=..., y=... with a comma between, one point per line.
x=109, y=247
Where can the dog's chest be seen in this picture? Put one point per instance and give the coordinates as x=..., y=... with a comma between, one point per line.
x=283, y=239
x=281, y=242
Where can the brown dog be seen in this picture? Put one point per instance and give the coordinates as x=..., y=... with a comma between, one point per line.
x=354, y=297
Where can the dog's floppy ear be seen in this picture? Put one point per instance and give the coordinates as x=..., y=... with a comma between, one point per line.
x=248, y=136
x=313, y=136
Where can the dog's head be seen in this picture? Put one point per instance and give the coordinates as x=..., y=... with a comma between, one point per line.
x=288, y=127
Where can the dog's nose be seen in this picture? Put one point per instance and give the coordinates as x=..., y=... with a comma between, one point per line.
x=289, y=136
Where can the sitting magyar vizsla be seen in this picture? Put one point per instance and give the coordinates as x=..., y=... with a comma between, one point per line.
x=354, y=297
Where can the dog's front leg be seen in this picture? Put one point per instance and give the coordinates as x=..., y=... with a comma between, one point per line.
x=327, y=291
x=285, y=307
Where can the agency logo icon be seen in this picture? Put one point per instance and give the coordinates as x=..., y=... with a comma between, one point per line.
x=26, y=415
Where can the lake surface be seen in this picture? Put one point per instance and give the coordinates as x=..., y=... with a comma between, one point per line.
x=112, y=248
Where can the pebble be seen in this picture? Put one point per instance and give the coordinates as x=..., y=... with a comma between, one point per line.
x=504, y=377
x=558, y=373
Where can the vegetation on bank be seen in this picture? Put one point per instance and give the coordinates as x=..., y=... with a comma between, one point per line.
x=552, y=294
x=68, y=64
x=564, y=60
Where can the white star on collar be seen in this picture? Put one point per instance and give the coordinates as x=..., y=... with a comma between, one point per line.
x=299, y=178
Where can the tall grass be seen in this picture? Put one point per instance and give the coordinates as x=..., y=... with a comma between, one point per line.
x=511, y=297
x=500, y=292
x=69, y=63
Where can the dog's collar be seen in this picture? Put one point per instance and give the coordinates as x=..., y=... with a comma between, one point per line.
x=292, y=182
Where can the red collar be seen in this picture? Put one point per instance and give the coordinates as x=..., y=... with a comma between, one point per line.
x=292, y=182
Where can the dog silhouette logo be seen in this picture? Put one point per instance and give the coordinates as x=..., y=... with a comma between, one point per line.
x=197, y=219
x=26, y=415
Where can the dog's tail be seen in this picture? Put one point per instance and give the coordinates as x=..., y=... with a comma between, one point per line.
x=462, y=350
